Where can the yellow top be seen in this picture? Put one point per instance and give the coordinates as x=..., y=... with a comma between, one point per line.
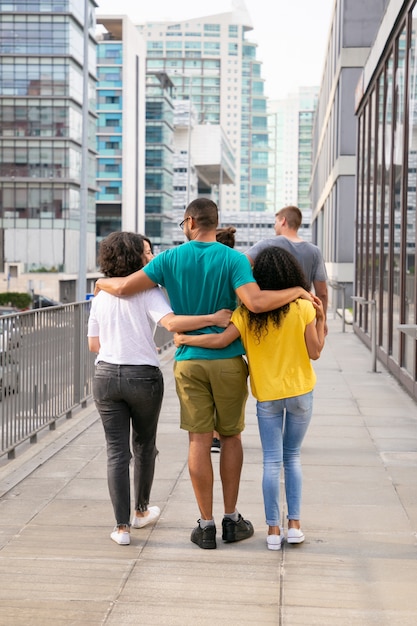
x=279, y=365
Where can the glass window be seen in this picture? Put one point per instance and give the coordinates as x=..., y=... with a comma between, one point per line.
x=411, y=202
x=212, y=29
x=212, y=48
x=388, y=202
x=378, y=208
x=397, y=217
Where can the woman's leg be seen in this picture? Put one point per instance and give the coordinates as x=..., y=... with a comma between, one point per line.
x=297, y=419
x=115, y=416
x=270, y=418
x=144, y=393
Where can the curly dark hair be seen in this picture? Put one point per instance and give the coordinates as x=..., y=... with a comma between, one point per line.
x=121, y=254
x=274, y=269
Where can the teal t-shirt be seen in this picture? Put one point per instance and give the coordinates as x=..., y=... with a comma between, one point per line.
x=201, y=278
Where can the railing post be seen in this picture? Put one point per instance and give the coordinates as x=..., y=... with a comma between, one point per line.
x=373, y=334
x=339, y=287
x=372, y=303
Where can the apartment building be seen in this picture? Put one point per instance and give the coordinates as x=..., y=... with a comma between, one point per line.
x=290, y=125
x=211, y=63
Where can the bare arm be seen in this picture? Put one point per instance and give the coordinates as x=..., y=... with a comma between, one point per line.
x=211, y=340
x=314, y=332
x=182, y=323
x=259, y=301
x=320, y=288
x=94, y=344
x=126, y=286
x=251, y=261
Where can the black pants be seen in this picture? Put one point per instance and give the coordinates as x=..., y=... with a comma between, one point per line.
x=125, y=394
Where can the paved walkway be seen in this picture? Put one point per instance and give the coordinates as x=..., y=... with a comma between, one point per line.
x=358, y=565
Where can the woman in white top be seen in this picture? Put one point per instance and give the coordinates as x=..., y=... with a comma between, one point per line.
x=128, y=384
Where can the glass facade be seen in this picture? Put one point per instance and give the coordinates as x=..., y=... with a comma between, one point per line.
x=109, y=138
x=41, y=97
x=385, y=252
x=254, y=135
x=159, y=160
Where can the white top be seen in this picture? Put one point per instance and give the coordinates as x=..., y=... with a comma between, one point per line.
x=126, y=326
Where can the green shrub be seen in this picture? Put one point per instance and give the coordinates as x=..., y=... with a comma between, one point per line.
x=18, y=300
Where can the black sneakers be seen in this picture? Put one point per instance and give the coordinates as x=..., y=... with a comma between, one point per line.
x=236, y=531
x=215, y=445
x=204, y=537
x=232, y=531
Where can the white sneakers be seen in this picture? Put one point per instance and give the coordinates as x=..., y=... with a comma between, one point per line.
x=140, y=522
x=294, y=535
x=274, y=542
x=122, y=538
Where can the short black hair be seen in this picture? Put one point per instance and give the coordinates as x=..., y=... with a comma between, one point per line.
x=205, y=213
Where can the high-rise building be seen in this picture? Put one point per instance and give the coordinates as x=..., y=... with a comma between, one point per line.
x=290, y=126
x=159, y=190
x=121, y=91
x=212, y=64
x=46, y=117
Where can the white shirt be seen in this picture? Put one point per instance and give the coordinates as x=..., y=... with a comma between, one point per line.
x=126, y=326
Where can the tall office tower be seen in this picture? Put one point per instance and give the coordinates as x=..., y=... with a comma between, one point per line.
x=121, y=126
x=290, y=125
x=159, y=187
x=45, y=201
x=210, y=62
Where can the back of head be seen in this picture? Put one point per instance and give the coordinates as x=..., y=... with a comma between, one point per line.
x=205, y=213
x=293, y=216
x=276, y=268
x=121, y=253
x=226, y=236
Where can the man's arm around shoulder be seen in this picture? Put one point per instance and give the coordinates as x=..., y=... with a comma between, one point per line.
x=125, y=286
x=259, y=301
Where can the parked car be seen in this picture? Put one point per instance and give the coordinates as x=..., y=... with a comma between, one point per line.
x=9, y=374
x=10, y=334
x=41, y=302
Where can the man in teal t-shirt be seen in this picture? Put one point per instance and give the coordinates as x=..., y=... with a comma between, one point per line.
x=219, y=272
x=203, y=276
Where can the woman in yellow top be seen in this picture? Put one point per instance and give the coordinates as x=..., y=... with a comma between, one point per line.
x=279, y=345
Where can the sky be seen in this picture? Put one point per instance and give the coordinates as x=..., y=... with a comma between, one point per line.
x=291, y=34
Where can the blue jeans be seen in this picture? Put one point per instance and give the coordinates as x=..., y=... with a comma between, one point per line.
x=282, y=427
x=126, y=394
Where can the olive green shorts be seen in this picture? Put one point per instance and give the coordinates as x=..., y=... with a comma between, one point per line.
x=212, y=394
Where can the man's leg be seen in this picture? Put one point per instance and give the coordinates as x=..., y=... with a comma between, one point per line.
x=231, y=460
x=201, y=472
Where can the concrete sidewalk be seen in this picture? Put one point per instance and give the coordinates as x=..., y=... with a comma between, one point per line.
x=358, y=565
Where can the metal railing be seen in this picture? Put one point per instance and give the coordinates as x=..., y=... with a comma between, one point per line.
x=46, y=370
x=339, y=287
x=408, y=329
